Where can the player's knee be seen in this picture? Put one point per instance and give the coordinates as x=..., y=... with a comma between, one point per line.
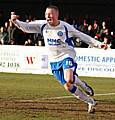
x=70, y=87
x=69, y=80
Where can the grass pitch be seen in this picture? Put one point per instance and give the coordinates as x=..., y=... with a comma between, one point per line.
x=41, y=97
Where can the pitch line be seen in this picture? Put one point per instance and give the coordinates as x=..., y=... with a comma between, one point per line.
x=64, y=97
x=103, y=94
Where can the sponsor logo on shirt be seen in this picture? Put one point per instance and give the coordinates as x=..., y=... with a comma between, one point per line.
x=53, y=41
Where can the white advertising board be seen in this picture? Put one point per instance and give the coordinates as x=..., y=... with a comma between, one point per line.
x=34, y=59
x=24, y=59
x=95, y=62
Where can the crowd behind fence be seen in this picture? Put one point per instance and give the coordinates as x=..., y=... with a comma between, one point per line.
x=100, y=30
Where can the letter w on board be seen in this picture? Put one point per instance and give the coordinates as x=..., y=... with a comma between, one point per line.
x=30, y=60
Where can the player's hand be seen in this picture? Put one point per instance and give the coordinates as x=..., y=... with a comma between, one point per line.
x=104, y=46
x=13, y=16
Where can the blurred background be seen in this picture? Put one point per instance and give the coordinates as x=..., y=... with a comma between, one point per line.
x=93, y=17
x=73, y=8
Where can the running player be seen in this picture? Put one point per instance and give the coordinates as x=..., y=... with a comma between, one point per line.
x=58, y=36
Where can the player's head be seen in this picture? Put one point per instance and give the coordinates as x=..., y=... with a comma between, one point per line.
x=52, y=14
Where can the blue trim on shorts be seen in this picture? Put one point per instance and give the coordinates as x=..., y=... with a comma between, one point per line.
x=58, y=69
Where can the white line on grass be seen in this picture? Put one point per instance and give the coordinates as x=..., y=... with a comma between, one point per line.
x=61, y=97
x=64, y=97
x=104, y=94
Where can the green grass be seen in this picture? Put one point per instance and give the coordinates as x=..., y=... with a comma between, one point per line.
x=28, y=86
x=21, y=98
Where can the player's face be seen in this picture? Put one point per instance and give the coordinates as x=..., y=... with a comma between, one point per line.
x=51, y=16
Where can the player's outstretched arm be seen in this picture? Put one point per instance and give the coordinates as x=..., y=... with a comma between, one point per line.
x=100, y=45
x=24, y=26
x=89, y=40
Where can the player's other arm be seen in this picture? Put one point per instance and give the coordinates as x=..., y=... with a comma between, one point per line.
x=89, y=40
x=32, y=27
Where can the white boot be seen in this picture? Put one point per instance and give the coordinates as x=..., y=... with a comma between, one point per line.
x=91, y=107
x=87, y=99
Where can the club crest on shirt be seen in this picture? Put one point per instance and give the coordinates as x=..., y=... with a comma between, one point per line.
x=60, y=33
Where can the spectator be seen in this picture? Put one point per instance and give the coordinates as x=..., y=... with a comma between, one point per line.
x=103, y=30
x=74, y=24
x=96, y=27
x=38, y=39
x=11, y=29
x=83, y=27
x=112, y=42
x=3, y=36
x=90, y=31
x=29, y=42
